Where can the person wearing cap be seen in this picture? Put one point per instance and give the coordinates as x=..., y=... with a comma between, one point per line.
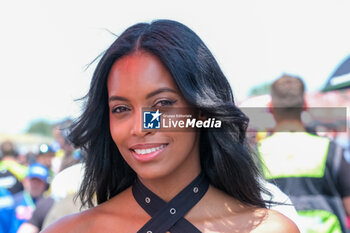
x=35, y=184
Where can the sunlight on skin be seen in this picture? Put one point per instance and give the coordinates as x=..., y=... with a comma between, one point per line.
x=234, y=223
x=219, y=213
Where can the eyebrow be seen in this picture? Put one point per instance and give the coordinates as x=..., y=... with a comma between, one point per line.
x=156, y=92
x=160, y=90
x=114, y=97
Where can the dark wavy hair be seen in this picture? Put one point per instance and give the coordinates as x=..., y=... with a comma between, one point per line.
x=224, y=154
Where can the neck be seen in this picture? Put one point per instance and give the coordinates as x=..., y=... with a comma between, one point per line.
x=169, y=186
x=290, y=126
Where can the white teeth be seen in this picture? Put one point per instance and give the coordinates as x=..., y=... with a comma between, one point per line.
x=148, y=150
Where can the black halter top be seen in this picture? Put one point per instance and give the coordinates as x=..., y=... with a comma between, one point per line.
x=170, y=216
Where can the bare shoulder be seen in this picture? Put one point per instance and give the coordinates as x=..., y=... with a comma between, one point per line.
x=219, y=212
x=118, y=214
x=274, y=221
x=70, y=224
x=90, y=220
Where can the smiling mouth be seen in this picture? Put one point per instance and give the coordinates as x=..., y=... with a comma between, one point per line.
x=149, y=150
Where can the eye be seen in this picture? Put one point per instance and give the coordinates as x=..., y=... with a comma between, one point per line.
x=164, y=103
x=120, y=109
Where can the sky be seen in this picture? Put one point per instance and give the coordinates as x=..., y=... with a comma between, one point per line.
x=46, y=46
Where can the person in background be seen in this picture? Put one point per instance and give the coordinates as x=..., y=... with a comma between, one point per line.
x=65, y=154
x=310, y=169
x=35, y=223
x=45, y=156
x=6, y=209
x=64, y=186
x=35, y=184
x=11, y=172
x=10, y=182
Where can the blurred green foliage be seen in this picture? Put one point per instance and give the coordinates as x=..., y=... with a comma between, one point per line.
x=41, y=127
x=260, y=89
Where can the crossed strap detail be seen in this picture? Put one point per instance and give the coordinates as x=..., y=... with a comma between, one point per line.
x=170, y=216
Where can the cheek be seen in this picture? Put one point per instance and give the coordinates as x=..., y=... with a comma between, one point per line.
x=185, y=142
x=42, y=186
x=113, y=126
x=119, y=132
x=38, y=186
x=115, y=133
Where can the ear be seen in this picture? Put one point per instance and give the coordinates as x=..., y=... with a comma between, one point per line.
x=305, y=106
x=270, y=107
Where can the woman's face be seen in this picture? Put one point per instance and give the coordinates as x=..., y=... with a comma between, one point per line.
x=140, y=80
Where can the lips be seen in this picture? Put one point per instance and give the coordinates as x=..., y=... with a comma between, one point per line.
x=147, y=152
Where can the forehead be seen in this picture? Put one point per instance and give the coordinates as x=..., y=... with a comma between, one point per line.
x=139, y=70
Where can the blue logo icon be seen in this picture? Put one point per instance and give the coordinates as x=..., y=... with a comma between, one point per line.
x=151, y=119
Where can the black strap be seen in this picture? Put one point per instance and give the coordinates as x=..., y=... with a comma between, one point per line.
x=170, y=216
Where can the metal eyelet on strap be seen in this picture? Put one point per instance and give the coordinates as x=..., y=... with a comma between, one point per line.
x=149, y=231
x=147, y=200
x=195, y=189
x=172, y=210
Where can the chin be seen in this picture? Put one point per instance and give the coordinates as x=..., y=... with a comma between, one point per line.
x=35, y=195
x=152, y=173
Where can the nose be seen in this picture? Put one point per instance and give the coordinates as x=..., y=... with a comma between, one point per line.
x=137, y=127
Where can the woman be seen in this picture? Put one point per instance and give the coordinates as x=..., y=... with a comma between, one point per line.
x=165, y=181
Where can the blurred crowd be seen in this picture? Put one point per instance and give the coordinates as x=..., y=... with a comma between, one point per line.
x=310, y=164
x=306, y=157
x=38, y=188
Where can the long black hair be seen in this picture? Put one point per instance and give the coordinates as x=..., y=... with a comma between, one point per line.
x=224, y=154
